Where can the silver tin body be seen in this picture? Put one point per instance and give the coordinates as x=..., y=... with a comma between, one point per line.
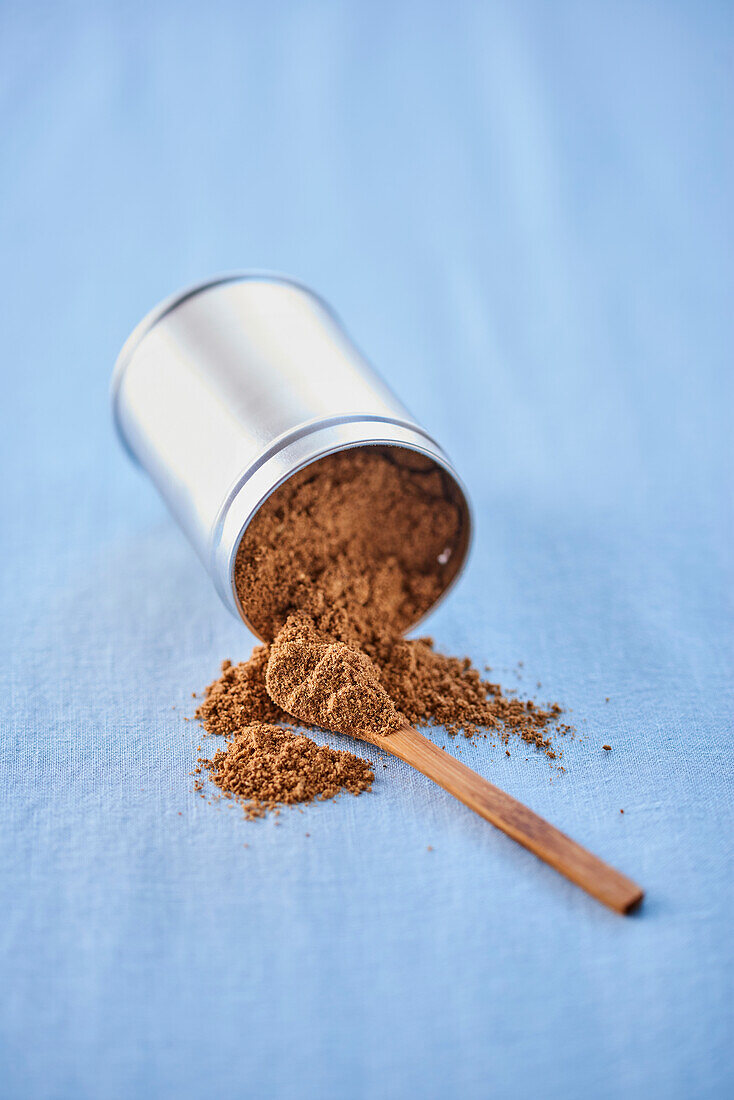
x=227, y=389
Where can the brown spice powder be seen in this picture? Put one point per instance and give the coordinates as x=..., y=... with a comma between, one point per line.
x=265, y=767
x=362, y=540
x=349, y=552
x=425, y=687
x=328, y=683
x=239, y=697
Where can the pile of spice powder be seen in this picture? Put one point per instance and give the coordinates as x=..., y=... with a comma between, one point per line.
x=352, y=550
x=265, y=767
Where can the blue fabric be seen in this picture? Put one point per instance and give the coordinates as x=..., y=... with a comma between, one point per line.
x=523, y=214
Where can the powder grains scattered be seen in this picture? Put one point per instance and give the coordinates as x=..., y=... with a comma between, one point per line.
x=425, y=687
x=432, y=689
x=264, y=767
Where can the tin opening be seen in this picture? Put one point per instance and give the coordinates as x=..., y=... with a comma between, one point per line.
x=381, y=529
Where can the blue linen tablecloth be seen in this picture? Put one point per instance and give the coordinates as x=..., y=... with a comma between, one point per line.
x=523, y=214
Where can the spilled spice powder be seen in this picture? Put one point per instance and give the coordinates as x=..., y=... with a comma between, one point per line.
x=265, y=767
x=332, y=570
x=239, y=697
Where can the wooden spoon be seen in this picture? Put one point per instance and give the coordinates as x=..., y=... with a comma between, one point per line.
x=336, y=687
x=548, y=843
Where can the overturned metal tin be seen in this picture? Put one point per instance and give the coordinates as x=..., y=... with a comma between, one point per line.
x=226, y=390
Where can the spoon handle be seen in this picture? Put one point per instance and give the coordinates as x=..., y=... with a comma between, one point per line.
x=548, y=843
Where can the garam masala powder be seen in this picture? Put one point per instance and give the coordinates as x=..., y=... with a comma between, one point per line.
x=335, y=566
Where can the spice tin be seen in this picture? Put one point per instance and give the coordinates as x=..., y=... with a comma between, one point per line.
x=225, y=390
